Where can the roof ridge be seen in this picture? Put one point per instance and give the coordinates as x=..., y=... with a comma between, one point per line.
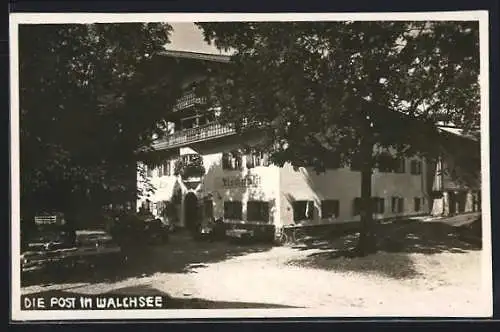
x=196, y=55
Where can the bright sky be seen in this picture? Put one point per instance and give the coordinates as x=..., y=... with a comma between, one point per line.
x=186, y=36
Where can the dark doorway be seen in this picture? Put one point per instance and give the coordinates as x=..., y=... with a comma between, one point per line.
x=457, y=202
x=452, y=203
x=191, y=214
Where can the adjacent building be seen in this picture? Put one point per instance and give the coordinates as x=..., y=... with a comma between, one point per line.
x=456, y=174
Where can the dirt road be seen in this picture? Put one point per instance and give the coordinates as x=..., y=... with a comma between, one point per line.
x=401, y=284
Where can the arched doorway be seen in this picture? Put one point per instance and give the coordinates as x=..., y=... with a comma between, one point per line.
x=191, y=215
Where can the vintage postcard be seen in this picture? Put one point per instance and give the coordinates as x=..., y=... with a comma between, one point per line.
x=187, y=166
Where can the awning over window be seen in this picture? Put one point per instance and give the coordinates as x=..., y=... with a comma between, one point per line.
x=304, y=193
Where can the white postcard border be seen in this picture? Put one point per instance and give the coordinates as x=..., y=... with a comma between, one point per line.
x=60, y=18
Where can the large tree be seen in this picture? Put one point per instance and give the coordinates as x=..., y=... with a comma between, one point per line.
x=84, y=89
x=347, y=92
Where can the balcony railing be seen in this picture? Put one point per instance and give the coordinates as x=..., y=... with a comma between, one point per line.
x=193, y=135
x=188, y=100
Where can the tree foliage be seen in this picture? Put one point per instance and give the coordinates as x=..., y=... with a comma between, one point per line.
x=347, y=91
x=83, y=92
x=310, y=78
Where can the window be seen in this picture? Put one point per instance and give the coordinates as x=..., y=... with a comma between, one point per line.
x=356, y=206
x=232, y=210
x=390, y=164
x=188, y=158
x=397, y=204
x=417, y=202
x=378, y=205
x=258, y=211
x=145, y=205
x=208, y=206
x=256, y=158
x=330, y=208
x=159, y=206
x=167, y=168
x=333, y=164
x=231, y=160
x=475, y=202
x=332, y=161
x=303, y=210
x=149, y=171
x=160, y=170
x=210, y=117
x=400, y=165
x=356, y=163
x=385, y=163
x=416, y=167
x=189, y=123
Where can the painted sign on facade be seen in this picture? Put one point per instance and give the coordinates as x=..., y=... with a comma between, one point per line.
x=248, y=181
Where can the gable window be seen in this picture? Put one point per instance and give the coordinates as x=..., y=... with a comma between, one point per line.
x=233, y=210
x=330, y=208
x=303, y=210
x=416, y=167
x=231, y=160
x=397, y=204
x=258, y=211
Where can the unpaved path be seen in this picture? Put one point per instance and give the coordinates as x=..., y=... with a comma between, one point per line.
x=441, y=284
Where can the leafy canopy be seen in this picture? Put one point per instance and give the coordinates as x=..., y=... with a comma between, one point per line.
x=84, y=90
x=321, y=87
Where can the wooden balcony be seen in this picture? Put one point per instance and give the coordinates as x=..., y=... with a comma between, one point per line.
x=189, y=100
x=193, y=135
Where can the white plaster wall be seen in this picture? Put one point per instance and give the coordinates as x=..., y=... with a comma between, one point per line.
x=279, y=185
x=345, y=185
x=266, y=188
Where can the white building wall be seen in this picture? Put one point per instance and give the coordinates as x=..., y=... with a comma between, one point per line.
x=280, y=186
x=344, y=185
x=219, y=184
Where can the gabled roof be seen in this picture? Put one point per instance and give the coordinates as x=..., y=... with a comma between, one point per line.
x=196, y=56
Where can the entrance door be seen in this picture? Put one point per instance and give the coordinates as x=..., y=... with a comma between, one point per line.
x=191, y=211
x=452, y=203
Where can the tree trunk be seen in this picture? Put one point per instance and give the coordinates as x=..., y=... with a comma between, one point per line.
x=367, y=241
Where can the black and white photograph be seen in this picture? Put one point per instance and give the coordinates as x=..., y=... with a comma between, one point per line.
x=250, y=165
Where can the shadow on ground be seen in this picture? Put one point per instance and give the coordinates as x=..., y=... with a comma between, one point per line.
x=180, y=255
x=169, y=302
x=396, y=241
